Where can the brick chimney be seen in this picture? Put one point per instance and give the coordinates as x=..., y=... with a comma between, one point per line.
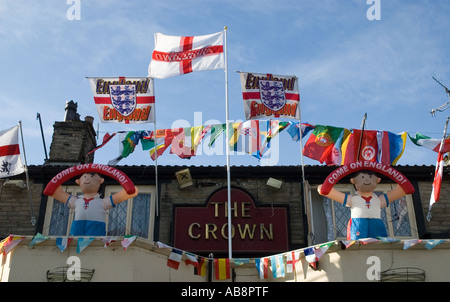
x=72, y=139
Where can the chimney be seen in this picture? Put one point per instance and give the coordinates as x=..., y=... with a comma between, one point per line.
x=72, y=139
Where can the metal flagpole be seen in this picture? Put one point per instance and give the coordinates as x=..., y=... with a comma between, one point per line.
x=362, y=134
x=230, y=248
x=156, y=157
x=33, y=219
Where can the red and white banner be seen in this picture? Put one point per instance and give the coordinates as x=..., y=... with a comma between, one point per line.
x=10, y=161
x=175, y=55
x=124, y=100
x=268, y=96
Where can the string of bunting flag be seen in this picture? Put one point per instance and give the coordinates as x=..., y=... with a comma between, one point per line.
x=278, y=264
x=327, y=144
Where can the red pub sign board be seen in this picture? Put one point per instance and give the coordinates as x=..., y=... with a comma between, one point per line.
x=254, y=229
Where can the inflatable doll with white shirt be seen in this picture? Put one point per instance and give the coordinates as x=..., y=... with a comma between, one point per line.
x=365, y=206
x=89, y=208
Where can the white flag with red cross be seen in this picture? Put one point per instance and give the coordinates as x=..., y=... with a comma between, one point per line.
x=10, y=161
x=176, y=55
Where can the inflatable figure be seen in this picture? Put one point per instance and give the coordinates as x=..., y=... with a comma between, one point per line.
x=366, y=206
x=89, y=208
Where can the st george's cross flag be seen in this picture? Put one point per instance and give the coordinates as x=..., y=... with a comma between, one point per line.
x=10, y=161
x=176, y=55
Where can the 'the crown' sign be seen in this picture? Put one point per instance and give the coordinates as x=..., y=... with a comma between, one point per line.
x=254, y=229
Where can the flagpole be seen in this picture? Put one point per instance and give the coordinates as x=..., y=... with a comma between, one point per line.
x=227, y=139
x=33, y=219
x=441, y=148
x=156, y=157
x=362, y=134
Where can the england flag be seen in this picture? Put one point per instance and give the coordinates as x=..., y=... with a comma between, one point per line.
x=10, y=161
x=176, y=55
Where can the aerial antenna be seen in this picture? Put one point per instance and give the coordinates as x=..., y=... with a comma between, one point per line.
x=444, y=106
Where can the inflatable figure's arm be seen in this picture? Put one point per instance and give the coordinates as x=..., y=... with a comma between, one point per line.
x=334, y=194
x=61, y=195
x=396, y=193
x=122, y=195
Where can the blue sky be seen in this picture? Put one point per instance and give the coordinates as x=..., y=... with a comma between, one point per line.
x=347, y=65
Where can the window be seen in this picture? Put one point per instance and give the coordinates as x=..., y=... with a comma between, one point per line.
x=329, y=218
x=134, y=216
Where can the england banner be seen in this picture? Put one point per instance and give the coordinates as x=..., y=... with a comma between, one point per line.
x=270, y=96
x=124, y=100
x=10, y=161
x=175, y=55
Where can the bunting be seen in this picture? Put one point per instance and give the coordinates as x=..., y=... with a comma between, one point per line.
x=279, y=264
x=222, y=268
x=327, y=144
x=8, y=244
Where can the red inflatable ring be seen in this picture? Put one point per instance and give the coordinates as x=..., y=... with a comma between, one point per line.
x=71, y=172
x=379, y=168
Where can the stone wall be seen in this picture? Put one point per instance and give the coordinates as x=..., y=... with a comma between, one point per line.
x=15, y=209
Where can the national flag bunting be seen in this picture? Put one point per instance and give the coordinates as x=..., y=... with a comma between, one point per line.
x=377, y=146
x=11, y=163
x=177, y=55
x=200, y=269
x=191, y=259
x=269, y=96
x=311, y=257
x=174, y=258
x=222, y=268
x=291, y=260
x=324, y=144
x=296, y=128
x=277, y=266
x=124, y=100
x=430, y=143
x=262, y=265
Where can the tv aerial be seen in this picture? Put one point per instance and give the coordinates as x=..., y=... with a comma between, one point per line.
x=444, y=106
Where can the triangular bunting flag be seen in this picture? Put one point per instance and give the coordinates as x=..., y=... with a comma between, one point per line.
x=37, y=239
x=322, y=250
x=9, y=243
x=127, y=240
x=108, y=240
x=387, y=239
x=409, y=243
x=83, y=242
x=367, y=240
x=161, y=245
x=433, y=243
x=63, y=242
